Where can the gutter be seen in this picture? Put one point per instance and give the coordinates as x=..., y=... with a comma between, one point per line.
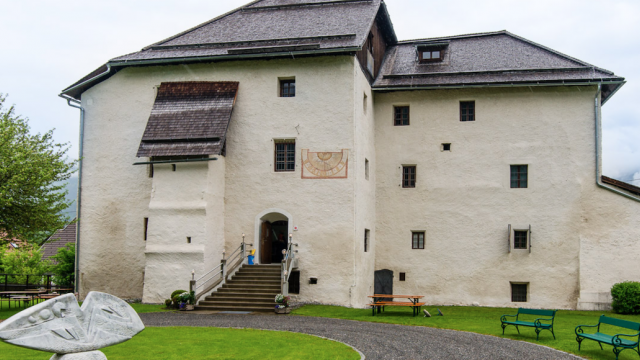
x=598, y=123
x=78, y=105
x=484, y=85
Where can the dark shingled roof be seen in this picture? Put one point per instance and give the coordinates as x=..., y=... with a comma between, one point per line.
x=189, y=118
x=622, y=185
x=485, y=59
x=58, y=240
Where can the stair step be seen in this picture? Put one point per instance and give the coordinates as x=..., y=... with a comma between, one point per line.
x=253, y=283
x=240, y=276
x=254, y=291
x=271, y=304
x=245, y=298
x=230, y=294
x=237, y=308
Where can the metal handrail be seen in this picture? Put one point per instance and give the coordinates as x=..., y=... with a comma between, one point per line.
x=287, y=266
x=221, y=270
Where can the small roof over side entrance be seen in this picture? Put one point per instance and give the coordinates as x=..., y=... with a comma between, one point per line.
x=189, y=118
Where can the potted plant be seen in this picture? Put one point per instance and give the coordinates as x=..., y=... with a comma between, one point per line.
x=187, y=301
x=282, y=304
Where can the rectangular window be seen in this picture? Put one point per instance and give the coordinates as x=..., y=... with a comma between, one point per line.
x=400, y=115
x=366, y=169
x=519, y=292
x=150, y=170
x=366, y=240
x=408, y=176
x=285, y=155
x=519, y=176
x=417, y=240
x=403, y=276
x=467, y=110
x=520, y=239
x=446, y=147
x=146, y=228
x=288, y=88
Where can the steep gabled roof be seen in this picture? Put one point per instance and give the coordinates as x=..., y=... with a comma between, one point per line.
x=263, y=28
x=495, y=58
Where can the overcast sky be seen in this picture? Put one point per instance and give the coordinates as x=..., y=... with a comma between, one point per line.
x=48, y=45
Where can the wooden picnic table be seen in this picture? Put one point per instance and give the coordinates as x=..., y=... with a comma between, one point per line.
x=378, y=302
x=28, y=295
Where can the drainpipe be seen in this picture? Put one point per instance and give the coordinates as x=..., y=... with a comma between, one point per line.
x=78, y=105
x=597, y=107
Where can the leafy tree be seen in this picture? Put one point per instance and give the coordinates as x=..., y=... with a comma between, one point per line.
x=33, y=169
x=26, y=260
x=64, y=269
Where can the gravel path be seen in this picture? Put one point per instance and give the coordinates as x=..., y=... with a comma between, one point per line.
x=374, y=340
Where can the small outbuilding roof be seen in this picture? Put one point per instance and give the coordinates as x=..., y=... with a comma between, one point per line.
x=59, y=240
x=495, y=58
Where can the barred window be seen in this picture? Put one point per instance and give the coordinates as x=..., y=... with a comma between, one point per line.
x=467, y=110
x=285, y=155
x=519, y=176
x=519, y=292
x=366, y=240
x=401, y=115
x=417, y=241
x=408, y=176
x=520, y=239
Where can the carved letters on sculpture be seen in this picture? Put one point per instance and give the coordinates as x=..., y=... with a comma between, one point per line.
x=59, y=325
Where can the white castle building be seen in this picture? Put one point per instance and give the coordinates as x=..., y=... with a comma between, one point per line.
x=464, y=168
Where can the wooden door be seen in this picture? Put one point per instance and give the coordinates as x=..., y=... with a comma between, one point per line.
x=383, y=283
x=265, y=243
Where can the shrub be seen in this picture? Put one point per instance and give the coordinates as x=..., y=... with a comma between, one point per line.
x=64, y=270
x=177, y=292
x=626, y=297
x=167, y=303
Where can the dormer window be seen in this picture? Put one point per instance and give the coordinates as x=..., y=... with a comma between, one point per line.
x=431, y=53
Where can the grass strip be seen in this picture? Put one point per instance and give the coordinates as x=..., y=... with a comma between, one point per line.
x=484, y=320
x=209, y=343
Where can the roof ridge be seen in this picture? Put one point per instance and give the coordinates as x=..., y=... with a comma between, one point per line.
x=200, y=25
x=302, y=4
x=490, y=33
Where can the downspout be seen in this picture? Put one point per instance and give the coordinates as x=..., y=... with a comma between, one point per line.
x=78, y=105
x=597, y=107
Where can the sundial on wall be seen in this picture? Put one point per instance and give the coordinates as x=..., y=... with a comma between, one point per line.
x=325, y=165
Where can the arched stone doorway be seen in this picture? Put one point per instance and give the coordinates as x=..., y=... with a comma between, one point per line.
x=272, y=229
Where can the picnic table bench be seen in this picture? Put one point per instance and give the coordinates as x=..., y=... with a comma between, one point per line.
x=379, y=302
x=536, y=323
x=627, y=341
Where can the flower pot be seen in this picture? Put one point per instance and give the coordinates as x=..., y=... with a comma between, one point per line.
x=189, y=307
x=283, y=310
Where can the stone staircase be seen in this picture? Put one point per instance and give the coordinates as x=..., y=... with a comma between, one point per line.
x=252, y=288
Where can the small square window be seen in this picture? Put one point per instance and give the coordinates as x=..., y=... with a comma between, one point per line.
x=408, y=176
x=403, y=276
x=366, y=240
x=446, y=147
x=288, y=88
x=417, y=240
x=285, y=155
x=400, y=115
x=520, y=239
x=519, y=292
x=519, y=174
x=188, y=239
x=467, y=110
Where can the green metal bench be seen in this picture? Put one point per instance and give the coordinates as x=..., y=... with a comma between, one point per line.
x=536, y=323
x=619, y=344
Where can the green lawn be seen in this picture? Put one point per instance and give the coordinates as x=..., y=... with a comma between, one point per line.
x=6, y=313
x=487, y=321
x=210, y=343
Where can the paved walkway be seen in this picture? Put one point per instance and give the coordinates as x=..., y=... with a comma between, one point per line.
x=374, y=340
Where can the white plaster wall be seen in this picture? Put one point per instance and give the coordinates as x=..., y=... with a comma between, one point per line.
x=189, y=202
x=319, y=118
x=365, y=189
x=463, y=199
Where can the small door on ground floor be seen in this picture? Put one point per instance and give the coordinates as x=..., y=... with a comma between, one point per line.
x=383, y=283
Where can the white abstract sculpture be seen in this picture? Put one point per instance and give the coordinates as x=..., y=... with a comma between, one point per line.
x=71, y=332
